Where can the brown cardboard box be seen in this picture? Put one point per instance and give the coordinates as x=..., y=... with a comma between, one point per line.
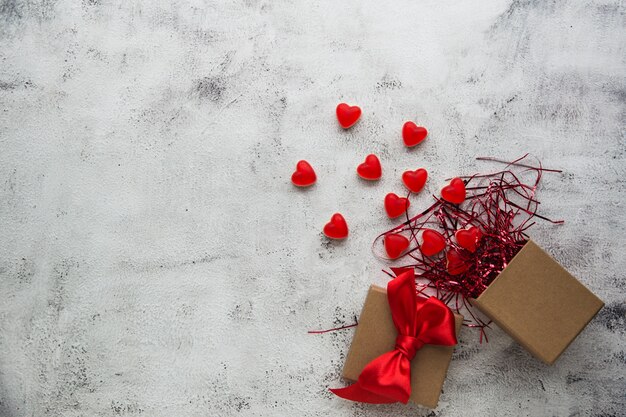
x=376, y=334
x=539, y=303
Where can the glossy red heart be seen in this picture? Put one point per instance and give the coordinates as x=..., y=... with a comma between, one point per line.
x=348, y=115
x=395, y=244
x=468, y=238
x=395, y=205
x=304, y=174
x=433, y=242
x=413, y=134
x=370, y=169
x=454, y=192
x=336, y=228
x=415, y=180
x=455, y=263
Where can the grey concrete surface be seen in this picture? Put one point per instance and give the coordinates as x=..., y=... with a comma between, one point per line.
x=155, y=259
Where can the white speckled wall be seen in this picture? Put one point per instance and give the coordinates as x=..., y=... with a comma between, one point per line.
x=155, y=259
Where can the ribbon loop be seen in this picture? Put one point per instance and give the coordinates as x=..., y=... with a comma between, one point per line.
x=418, y=320
x=408, y=345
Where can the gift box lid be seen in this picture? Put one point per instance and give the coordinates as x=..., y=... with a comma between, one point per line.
x=376, y=334
x=538, y=303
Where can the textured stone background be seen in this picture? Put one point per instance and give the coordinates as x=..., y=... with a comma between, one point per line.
x=155, y=259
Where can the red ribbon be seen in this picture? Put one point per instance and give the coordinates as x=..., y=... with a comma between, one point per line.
x=419, y=321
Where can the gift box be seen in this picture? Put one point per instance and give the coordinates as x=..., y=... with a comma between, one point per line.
x=376, y=335
x=538, y=303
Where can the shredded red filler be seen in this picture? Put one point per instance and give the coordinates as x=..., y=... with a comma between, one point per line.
x=502, y=205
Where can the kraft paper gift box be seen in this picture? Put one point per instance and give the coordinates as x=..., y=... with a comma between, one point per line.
x=376, y=334
x=538, y=303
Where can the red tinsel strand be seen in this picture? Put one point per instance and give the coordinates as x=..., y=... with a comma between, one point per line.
x=334, y=329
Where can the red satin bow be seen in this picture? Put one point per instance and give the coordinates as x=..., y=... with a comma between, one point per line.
x=419, y=321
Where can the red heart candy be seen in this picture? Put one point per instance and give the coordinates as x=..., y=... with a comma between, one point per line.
x=370, y=169
x=304, y=175
x=415, y=180
x=454, y=192
x=456, y=264
x=395, y=244
x=413, y=134
x=433, y=242
x=395, y=205
x=348, y=115
x=336, y=228
x=468, y=238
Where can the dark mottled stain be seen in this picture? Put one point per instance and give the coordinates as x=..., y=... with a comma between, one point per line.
x=74, y=372
x=242, y=312
x=70, y=65
x=573, y=378
x=21, y=270
x=613, y=317
x=474, y=79
x=276, y=112
x=211, y=88
x=464, y=352
x=383, y=149
x=388, y=83
x=202, y=36
x=7, y=86
x=60, y=276
x=516, y=354
x=554, y=111
x=576, y=254
x=618, y=282
x=620, y=94
x=14, y=11
x=610, y=10
x=122, y=408
x=520, y=9
x=500, y=110
x=541, y=385
x=517, y=9
x=10, y=10
x=10, y=185
x=4, y=407
x=328, y=246
x=25, y=271
x=620, y=357
x=574, y=91
x=185, y=311
x=96, y=54
x=221, y=401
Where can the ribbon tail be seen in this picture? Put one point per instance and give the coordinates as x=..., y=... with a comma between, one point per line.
x=386, y=379
x=356, y=392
